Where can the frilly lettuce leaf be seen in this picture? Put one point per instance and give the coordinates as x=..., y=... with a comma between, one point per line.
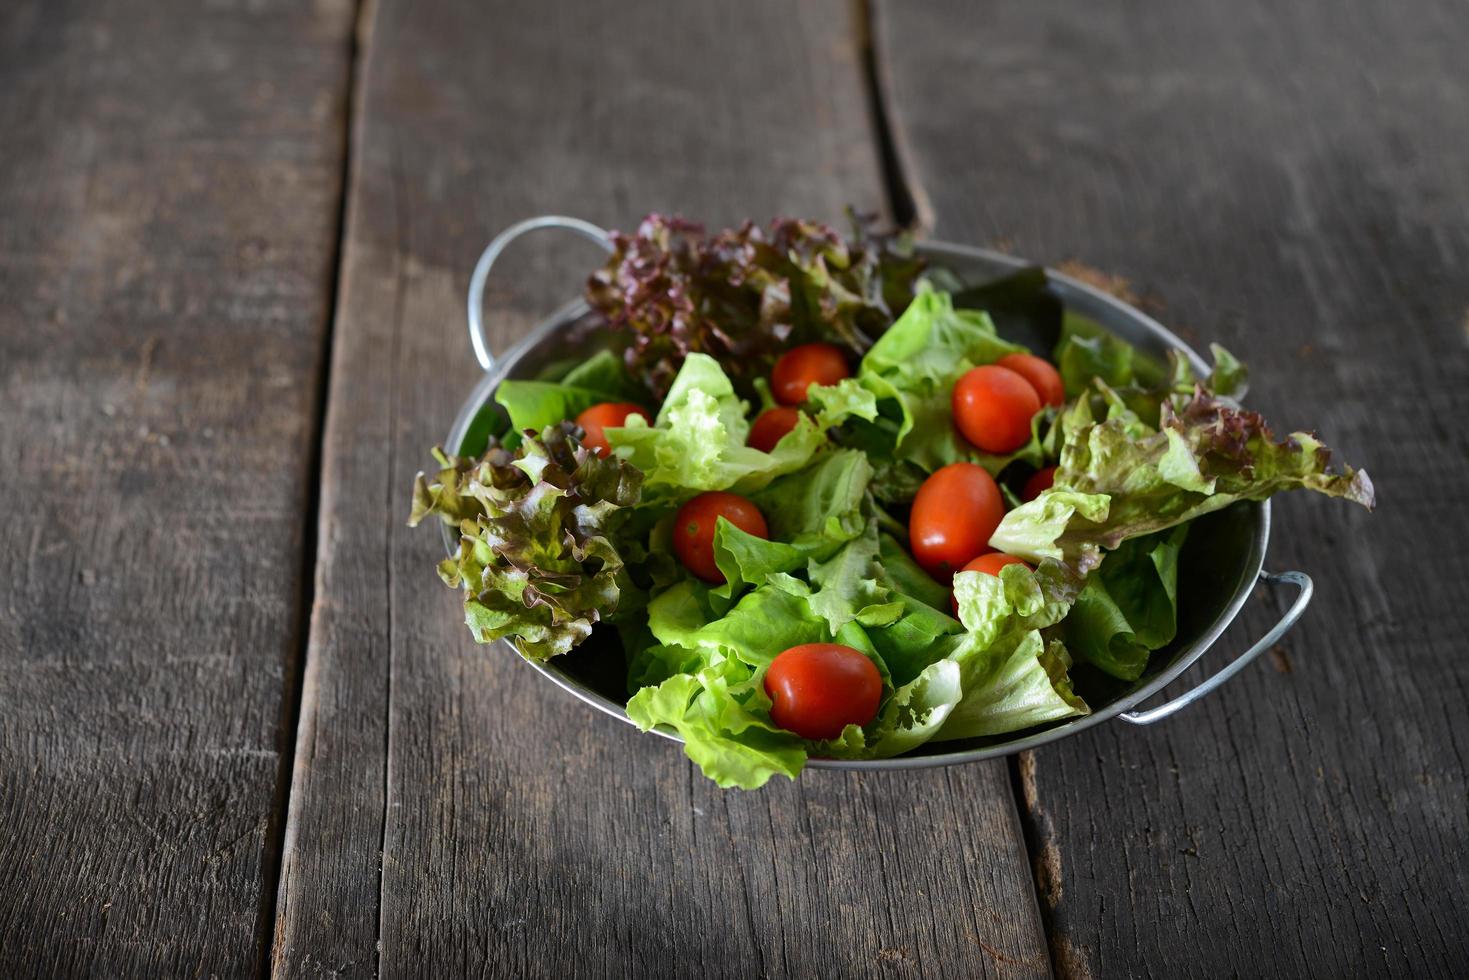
x=1121, y=478
x=697, y=442
x=1010, y=686
x=535, y=558
x=746, y=294
x=847, y=399
x=915, y=640
x=716, y=701
x=931, y=338
x=1060, y=523
x=721, y=712
x=747, y=560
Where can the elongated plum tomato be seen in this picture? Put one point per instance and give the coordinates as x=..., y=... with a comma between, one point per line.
x=990, y=564
x=693, y=529
x=993, y=407
x=607, y=415
x=1044, y=378
x=1040, y=481
x=954, y=514
x=801, y=367
x=817, y=689
x=771, y=426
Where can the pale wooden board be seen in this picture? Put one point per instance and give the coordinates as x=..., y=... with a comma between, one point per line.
x=1288, y=180
x=521, y=833
x=170, y=179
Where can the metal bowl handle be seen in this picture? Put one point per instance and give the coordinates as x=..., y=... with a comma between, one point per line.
x=1301, y=581
x=492, y=252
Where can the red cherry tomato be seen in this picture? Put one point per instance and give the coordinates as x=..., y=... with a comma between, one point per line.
x=1039, y=482
x=990, y=564
x=693, y=529
x=771, y=426
x=801, y=367
x=1044, y=378
x=993, y=407
x=817, y=689
x=954, y=514
x=607, y=415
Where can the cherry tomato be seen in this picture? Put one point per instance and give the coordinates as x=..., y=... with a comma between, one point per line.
x=993, y=407
x=1039, y=482
x=693, y=529
x=607, y=415
x=990, y=563
x=801, y=367
x=1044, y=378
x=954, y=514
x=771, y=426
x=817, y=689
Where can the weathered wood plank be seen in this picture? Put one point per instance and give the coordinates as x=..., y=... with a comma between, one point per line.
x=169, y=186
x=521, y=833
x=1290, y=182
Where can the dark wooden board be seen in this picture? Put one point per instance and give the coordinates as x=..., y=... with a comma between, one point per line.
x=1288, y=180
x=519, y=833
x=169, y=186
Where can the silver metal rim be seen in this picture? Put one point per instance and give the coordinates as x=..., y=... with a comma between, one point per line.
x=1182, y=662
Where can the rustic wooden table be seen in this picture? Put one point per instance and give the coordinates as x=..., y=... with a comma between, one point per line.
x=241, y=727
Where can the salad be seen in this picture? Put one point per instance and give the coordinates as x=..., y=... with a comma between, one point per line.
x=814, y=502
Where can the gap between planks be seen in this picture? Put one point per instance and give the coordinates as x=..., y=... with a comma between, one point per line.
x=288, y=737
x=909, y=205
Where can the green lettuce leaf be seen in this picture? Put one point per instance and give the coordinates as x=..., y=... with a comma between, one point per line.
x=1012, y=686
x=1129, y=606
x=820, y=507
x=1060, y=523
x=847, y=399
x=697, y=442
x=1087, y=351
x=604, y=372
x=748, y=560
x=535, y=558
x=730, y=742
x=848, y=589
x=906, y=424
x=1012, y=678
x=537, y=404
x=931, y=338
x=911, y=716
x=902, y=574
x=764, y=622
x=918, y=638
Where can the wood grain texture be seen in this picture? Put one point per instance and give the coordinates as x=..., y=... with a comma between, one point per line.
x=169, y=183
x=1287, y=180
x=518, y=832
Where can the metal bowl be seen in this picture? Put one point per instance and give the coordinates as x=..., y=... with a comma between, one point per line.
x=1221, y=561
